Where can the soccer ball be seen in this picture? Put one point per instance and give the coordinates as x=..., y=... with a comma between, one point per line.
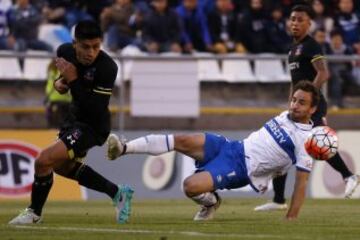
x=322, y=143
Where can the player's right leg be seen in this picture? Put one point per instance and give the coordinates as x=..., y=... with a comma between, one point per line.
x=43, y=180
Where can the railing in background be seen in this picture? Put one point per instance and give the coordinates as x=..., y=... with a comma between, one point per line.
x=231, y=68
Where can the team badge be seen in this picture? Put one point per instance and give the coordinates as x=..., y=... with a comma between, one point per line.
x=298, y=50
x=89, y=74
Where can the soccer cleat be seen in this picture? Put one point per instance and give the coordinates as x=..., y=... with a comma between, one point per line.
x=271, y=206
x=27, y=216
x=207, y=213
x=115, y=147
x=351, y=183
x=122, y=203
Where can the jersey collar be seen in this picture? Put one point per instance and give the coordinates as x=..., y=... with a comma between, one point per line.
x=301, y=126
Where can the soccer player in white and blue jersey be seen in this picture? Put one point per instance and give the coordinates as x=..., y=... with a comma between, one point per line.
x=225, y=164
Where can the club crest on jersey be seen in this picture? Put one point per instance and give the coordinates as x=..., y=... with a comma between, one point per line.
x=76, y=134
x=298, y=50
x=89, y=74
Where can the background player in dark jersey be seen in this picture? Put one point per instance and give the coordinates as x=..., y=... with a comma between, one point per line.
x=89, y=74
x=306, y=62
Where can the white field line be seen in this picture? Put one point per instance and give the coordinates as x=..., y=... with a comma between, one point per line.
x=144, y=231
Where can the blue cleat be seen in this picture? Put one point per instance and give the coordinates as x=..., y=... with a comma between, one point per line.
x=122, y=203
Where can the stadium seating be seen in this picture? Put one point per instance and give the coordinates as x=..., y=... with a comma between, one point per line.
x=125, y=72
x=237, y=70
x=9, y=66
x=208, y=69
x=36, y=68
x=270, y=70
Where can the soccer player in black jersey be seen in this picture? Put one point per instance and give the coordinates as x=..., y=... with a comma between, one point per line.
x=89, y=74
x=306, y=62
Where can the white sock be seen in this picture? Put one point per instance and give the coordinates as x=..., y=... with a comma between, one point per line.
x=206, y=199
x=151, y=144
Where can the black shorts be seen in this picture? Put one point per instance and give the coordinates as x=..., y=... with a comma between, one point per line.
x=78, y=138
x=320, y=113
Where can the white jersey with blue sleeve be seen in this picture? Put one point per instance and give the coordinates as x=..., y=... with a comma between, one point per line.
x=273, y=149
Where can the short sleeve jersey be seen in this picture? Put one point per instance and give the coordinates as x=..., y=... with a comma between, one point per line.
x=301, y=57
x=273, y=149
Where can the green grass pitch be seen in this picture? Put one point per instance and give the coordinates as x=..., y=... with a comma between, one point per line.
x=172, y=220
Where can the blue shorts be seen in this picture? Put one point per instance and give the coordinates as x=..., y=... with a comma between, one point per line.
x=225, y=161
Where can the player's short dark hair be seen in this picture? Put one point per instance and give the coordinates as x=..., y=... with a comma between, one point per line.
x=87, y=29
x=303, y=8
x=308, y=86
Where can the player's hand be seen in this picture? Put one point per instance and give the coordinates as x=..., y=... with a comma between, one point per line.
x=290, y=216
x=61, y=86
x=67, y=70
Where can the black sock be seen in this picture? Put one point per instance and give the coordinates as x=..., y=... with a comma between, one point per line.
x=40, y=190
x=279, y=189
x=87, y=177
x=338, y=164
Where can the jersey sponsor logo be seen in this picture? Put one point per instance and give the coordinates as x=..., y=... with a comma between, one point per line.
x=16, y=168
x=294, y=65
x=281, y=138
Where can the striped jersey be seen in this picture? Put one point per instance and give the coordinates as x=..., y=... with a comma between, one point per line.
x=273, y=149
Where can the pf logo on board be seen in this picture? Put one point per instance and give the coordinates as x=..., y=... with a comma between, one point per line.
x=16, y=168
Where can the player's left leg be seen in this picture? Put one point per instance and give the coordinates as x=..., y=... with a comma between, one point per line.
x=200, y=188
x=155, y=144
x=352, y=180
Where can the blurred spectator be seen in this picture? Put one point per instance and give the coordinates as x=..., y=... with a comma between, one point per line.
x=222, y=28
x=320, y=19
x=24, y=22
x=6, y=41
x=348, y=22
x=356, y=65
x=65, y=12
x=95, y=7
x=161, y=29
x=279, y=38
x=116, y=22
x=207, y=5
x=320, y=37
x=195, y=32
x=57, y=105
x=174, y=3
x=340, y=72
x=251, y=28
x=142, y=6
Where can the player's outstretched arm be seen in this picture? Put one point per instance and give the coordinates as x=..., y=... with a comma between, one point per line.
x=298, y=196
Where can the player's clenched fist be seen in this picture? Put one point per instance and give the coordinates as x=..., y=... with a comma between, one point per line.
x=67, y=70
x=61, y=86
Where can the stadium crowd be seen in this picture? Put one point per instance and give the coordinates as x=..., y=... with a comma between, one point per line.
x=217, y=26
x=187, y=26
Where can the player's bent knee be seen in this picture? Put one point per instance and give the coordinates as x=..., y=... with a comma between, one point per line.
x=182, y=142
x=186, y=142
x=191, y=187
x=69, y=170
x=42, y=161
